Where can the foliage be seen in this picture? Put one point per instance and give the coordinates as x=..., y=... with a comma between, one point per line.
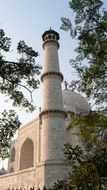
x=15, y=76
x=90, y=31
x=9, y=123
x=85, y=170
x=60, y=185
x=88, y=169
x=91, y=127
x=99, y=159
x=85, y=177
x=73, y=154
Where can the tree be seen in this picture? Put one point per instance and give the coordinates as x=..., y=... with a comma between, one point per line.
x=85, y=171
x=90, y=31
x=14, y=76
x=92, y=128
x=90, y=63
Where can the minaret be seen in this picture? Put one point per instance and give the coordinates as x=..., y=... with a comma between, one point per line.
x=53, y=131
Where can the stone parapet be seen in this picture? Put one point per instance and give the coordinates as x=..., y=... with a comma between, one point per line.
x=52, y=74
x=25, y=179
x=50, y=41
x=51, y=113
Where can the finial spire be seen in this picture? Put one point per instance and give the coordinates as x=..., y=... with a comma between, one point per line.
x=50, y=28
x=66, y=84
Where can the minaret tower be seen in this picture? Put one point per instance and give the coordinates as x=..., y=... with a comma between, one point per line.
x=53, y=132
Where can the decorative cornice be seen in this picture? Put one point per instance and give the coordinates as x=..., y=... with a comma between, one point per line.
x=49, y=41
x=52, y=73
x=53, y=112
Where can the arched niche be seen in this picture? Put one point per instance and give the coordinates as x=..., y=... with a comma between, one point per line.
x=12, y=157
x=11, y=170
x=27, y=154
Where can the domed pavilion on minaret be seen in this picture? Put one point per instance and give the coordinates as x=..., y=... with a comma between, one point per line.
x=36, y=156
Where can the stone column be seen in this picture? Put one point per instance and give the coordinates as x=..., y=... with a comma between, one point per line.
x=53, y=132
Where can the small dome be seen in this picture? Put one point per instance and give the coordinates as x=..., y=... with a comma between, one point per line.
x=74, y=102
x=3, y=171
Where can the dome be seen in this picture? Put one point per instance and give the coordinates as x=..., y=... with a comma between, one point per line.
x=74, y=102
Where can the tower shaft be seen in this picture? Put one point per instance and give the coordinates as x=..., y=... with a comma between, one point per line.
x=53, y=132
x=52, y=129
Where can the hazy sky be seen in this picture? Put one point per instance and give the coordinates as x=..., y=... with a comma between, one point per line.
x=27, y=20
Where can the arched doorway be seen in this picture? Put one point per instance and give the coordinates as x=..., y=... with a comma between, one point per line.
x=27, y=154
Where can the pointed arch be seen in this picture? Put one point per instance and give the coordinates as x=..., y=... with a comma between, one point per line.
x=27, y=154
x=12, y=157
x=11, y=170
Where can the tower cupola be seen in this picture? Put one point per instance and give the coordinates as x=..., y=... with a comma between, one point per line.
x=50, y=35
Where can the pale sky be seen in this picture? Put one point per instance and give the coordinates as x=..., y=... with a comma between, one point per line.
x=27, y=20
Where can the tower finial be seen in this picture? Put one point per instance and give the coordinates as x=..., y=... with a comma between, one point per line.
x=50, y=28
x=66, y=84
